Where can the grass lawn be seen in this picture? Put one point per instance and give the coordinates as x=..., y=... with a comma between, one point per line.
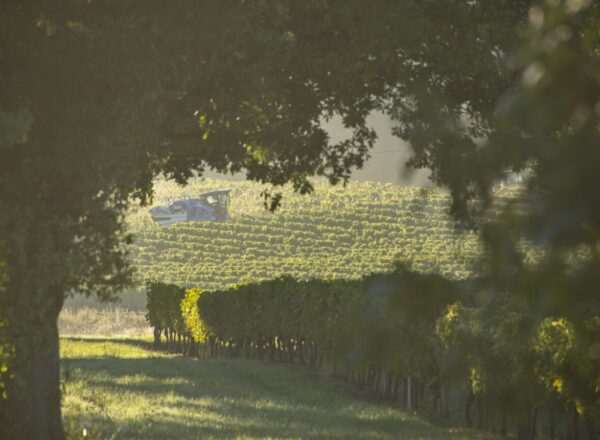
x=119, y=388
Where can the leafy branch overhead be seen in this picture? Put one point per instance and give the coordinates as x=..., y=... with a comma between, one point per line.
x=97, y=98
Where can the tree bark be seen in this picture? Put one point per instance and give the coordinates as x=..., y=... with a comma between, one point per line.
x=408, y=394
x=480, y=413
x=470, y=400
x=33, y=408
x=572, y=422
x=590, y=427
x=444, y=402
x=157, y=333
x=504, y=428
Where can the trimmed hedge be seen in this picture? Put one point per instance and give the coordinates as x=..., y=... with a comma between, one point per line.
x=375, y=332
x=428, y=342
x=282, y=318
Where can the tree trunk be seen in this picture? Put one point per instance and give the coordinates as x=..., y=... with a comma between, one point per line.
x=397, y=381
x=572, y=422
x=534, y=417
x=470, y=400
x=33, y=408
x=526, y=427
x=301, y=353
x=157, y=333
x=408, y=394
x=480, y=414
x=444, y=402
x=590, y=427
x=504, y=427
x=575, y=423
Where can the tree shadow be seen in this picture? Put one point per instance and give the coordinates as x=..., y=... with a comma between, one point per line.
x=145, y=344
x=234, y=398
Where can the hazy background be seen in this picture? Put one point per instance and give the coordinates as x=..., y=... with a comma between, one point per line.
x=385, y=165
x=387, y=157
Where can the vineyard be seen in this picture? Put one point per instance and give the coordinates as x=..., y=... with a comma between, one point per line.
x=419, y=340
x=335, y=233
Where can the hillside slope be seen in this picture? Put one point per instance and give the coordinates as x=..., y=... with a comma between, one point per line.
x=335, y=233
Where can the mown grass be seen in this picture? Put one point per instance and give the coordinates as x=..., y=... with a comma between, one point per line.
x=119, y=388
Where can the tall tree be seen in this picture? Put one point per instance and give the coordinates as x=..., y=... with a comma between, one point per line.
x=98, y=97
x=546, y=126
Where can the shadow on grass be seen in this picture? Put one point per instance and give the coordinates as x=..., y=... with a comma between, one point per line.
x=182, y=398
x=145, y=344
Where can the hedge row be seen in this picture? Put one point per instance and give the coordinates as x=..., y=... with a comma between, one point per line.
x=419, y=339
x=164, y=314
x=281, y=319
x=344, y=324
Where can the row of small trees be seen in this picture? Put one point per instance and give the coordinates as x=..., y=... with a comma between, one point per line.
x=164, y=314
x=432, y=344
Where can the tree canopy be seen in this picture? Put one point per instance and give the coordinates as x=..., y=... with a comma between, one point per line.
x=98, y=97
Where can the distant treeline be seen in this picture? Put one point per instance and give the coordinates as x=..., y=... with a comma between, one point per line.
x=433, y=345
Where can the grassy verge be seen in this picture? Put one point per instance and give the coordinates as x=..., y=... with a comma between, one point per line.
x=111, y=321
x=121, y=389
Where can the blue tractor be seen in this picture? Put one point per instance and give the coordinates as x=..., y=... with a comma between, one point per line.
x=211, y=206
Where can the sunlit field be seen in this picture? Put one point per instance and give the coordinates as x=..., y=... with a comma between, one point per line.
x=119, y=388
x=90, y=321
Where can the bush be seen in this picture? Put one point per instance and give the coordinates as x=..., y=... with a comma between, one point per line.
x=164, y=313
